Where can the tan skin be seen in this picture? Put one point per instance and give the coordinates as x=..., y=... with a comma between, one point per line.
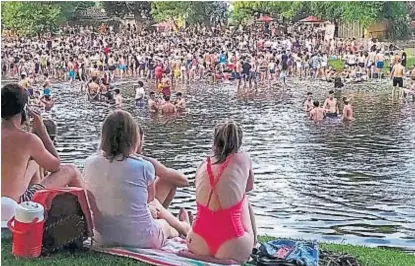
x=168, y=108
x=317, y=114
x=331, y=105
x=347, y=112
x=238, y=177
x=161, y=193
x=181, y=103
x=18, y=147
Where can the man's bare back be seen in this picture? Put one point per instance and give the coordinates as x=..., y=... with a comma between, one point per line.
x=168, y=108
x=317, y=114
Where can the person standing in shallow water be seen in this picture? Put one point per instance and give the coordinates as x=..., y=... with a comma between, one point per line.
x=347, y=111
x=317, y=113
x=331, y=105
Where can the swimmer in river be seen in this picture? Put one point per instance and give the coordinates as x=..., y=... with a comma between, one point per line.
x=118, y=98
x=347, y=111
x=318, y=113
x=180, y=102
x=308, y=106
x=331, y=106
x=168, y=107
x=153, y=106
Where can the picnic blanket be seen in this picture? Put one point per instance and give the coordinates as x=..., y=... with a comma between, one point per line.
x=168, y=255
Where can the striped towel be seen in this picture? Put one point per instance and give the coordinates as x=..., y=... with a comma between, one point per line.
x=169, y=255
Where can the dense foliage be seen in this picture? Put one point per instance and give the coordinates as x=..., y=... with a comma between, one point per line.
x=38, y=17
x=30, y=18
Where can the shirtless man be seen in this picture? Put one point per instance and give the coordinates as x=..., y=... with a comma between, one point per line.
x=397, y=73
x=93, y=89
x=331, y=105
x=71, y=69
x=168, y=107
x=153, y=107
x=47, y=102
x=180, y=102
x=317, y=113
x=380, y=62
x=308, y=106
x=24, y=82
x=23, y=152
x=347, y=111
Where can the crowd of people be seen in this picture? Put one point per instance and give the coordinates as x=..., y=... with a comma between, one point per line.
x=120, y=174
x=91, y=61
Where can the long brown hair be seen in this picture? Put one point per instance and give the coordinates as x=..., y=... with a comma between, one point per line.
x=120, y=135
x=227, y=140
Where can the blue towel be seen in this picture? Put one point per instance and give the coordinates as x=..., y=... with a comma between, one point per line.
x=303, y=253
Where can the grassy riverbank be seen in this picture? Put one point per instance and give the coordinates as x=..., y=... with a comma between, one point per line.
x=338, y=64
x=366, y=256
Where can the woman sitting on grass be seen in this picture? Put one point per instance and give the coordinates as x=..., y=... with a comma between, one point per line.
x=120, y=186
x=224, y=226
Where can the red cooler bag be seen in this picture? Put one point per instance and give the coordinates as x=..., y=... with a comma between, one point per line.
x=68, y=220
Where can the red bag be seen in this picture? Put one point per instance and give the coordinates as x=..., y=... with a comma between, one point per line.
x=68, y=221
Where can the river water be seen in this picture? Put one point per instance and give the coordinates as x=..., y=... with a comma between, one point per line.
x=329, y=181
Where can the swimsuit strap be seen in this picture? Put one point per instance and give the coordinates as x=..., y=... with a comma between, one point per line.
x=212, y=180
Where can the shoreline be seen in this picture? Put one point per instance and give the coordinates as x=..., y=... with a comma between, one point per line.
x=365, y=255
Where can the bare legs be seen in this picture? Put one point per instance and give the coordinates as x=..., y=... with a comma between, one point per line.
x=176, y=226
x=67, y=175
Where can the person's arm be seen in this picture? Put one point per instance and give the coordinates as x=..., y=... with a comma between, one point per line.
x=43, y=152
x=250, y=182
x=151, y=192
x=392, y=72
x=325, y=104
x=312, y=115
x=175, y=177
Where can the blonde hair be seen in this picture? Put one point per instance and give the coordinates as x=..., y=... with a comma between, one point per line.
x=120, y=135
x=227, y=140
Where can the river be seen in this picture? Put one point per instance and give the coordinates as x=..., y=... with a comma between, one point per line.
x=329, y=181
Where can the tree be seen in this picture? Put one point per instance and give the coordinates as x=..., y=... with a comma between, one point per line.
x=30, y=17
x=203, y=12
x=141, y=10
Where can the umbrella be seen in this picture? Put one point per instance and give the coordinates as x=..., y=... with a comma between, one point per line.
x=265, y=19
x=311, y=19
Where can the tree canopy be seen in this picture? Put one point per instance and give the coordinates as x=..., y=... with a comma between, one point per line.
x=37, y=17
x=31, y=18
x=202, y=12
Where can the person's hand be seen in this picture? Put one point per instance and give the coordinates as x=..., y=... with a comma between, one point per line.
x=38, y=125
x=155, y=212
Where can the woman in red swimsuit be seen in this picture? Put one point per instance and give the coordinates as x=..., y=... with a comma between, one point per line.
x=223, y=227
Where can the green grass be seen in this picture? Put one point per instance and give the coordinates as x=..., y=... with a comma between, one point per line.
x=366, y=256
x=338, y=64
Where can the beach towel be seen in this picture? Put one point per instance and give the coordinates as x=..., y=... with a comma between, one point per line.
x=170, y=254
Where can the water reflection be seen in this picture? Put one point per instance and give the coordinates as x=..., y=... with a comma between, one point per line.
x=327, y=181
